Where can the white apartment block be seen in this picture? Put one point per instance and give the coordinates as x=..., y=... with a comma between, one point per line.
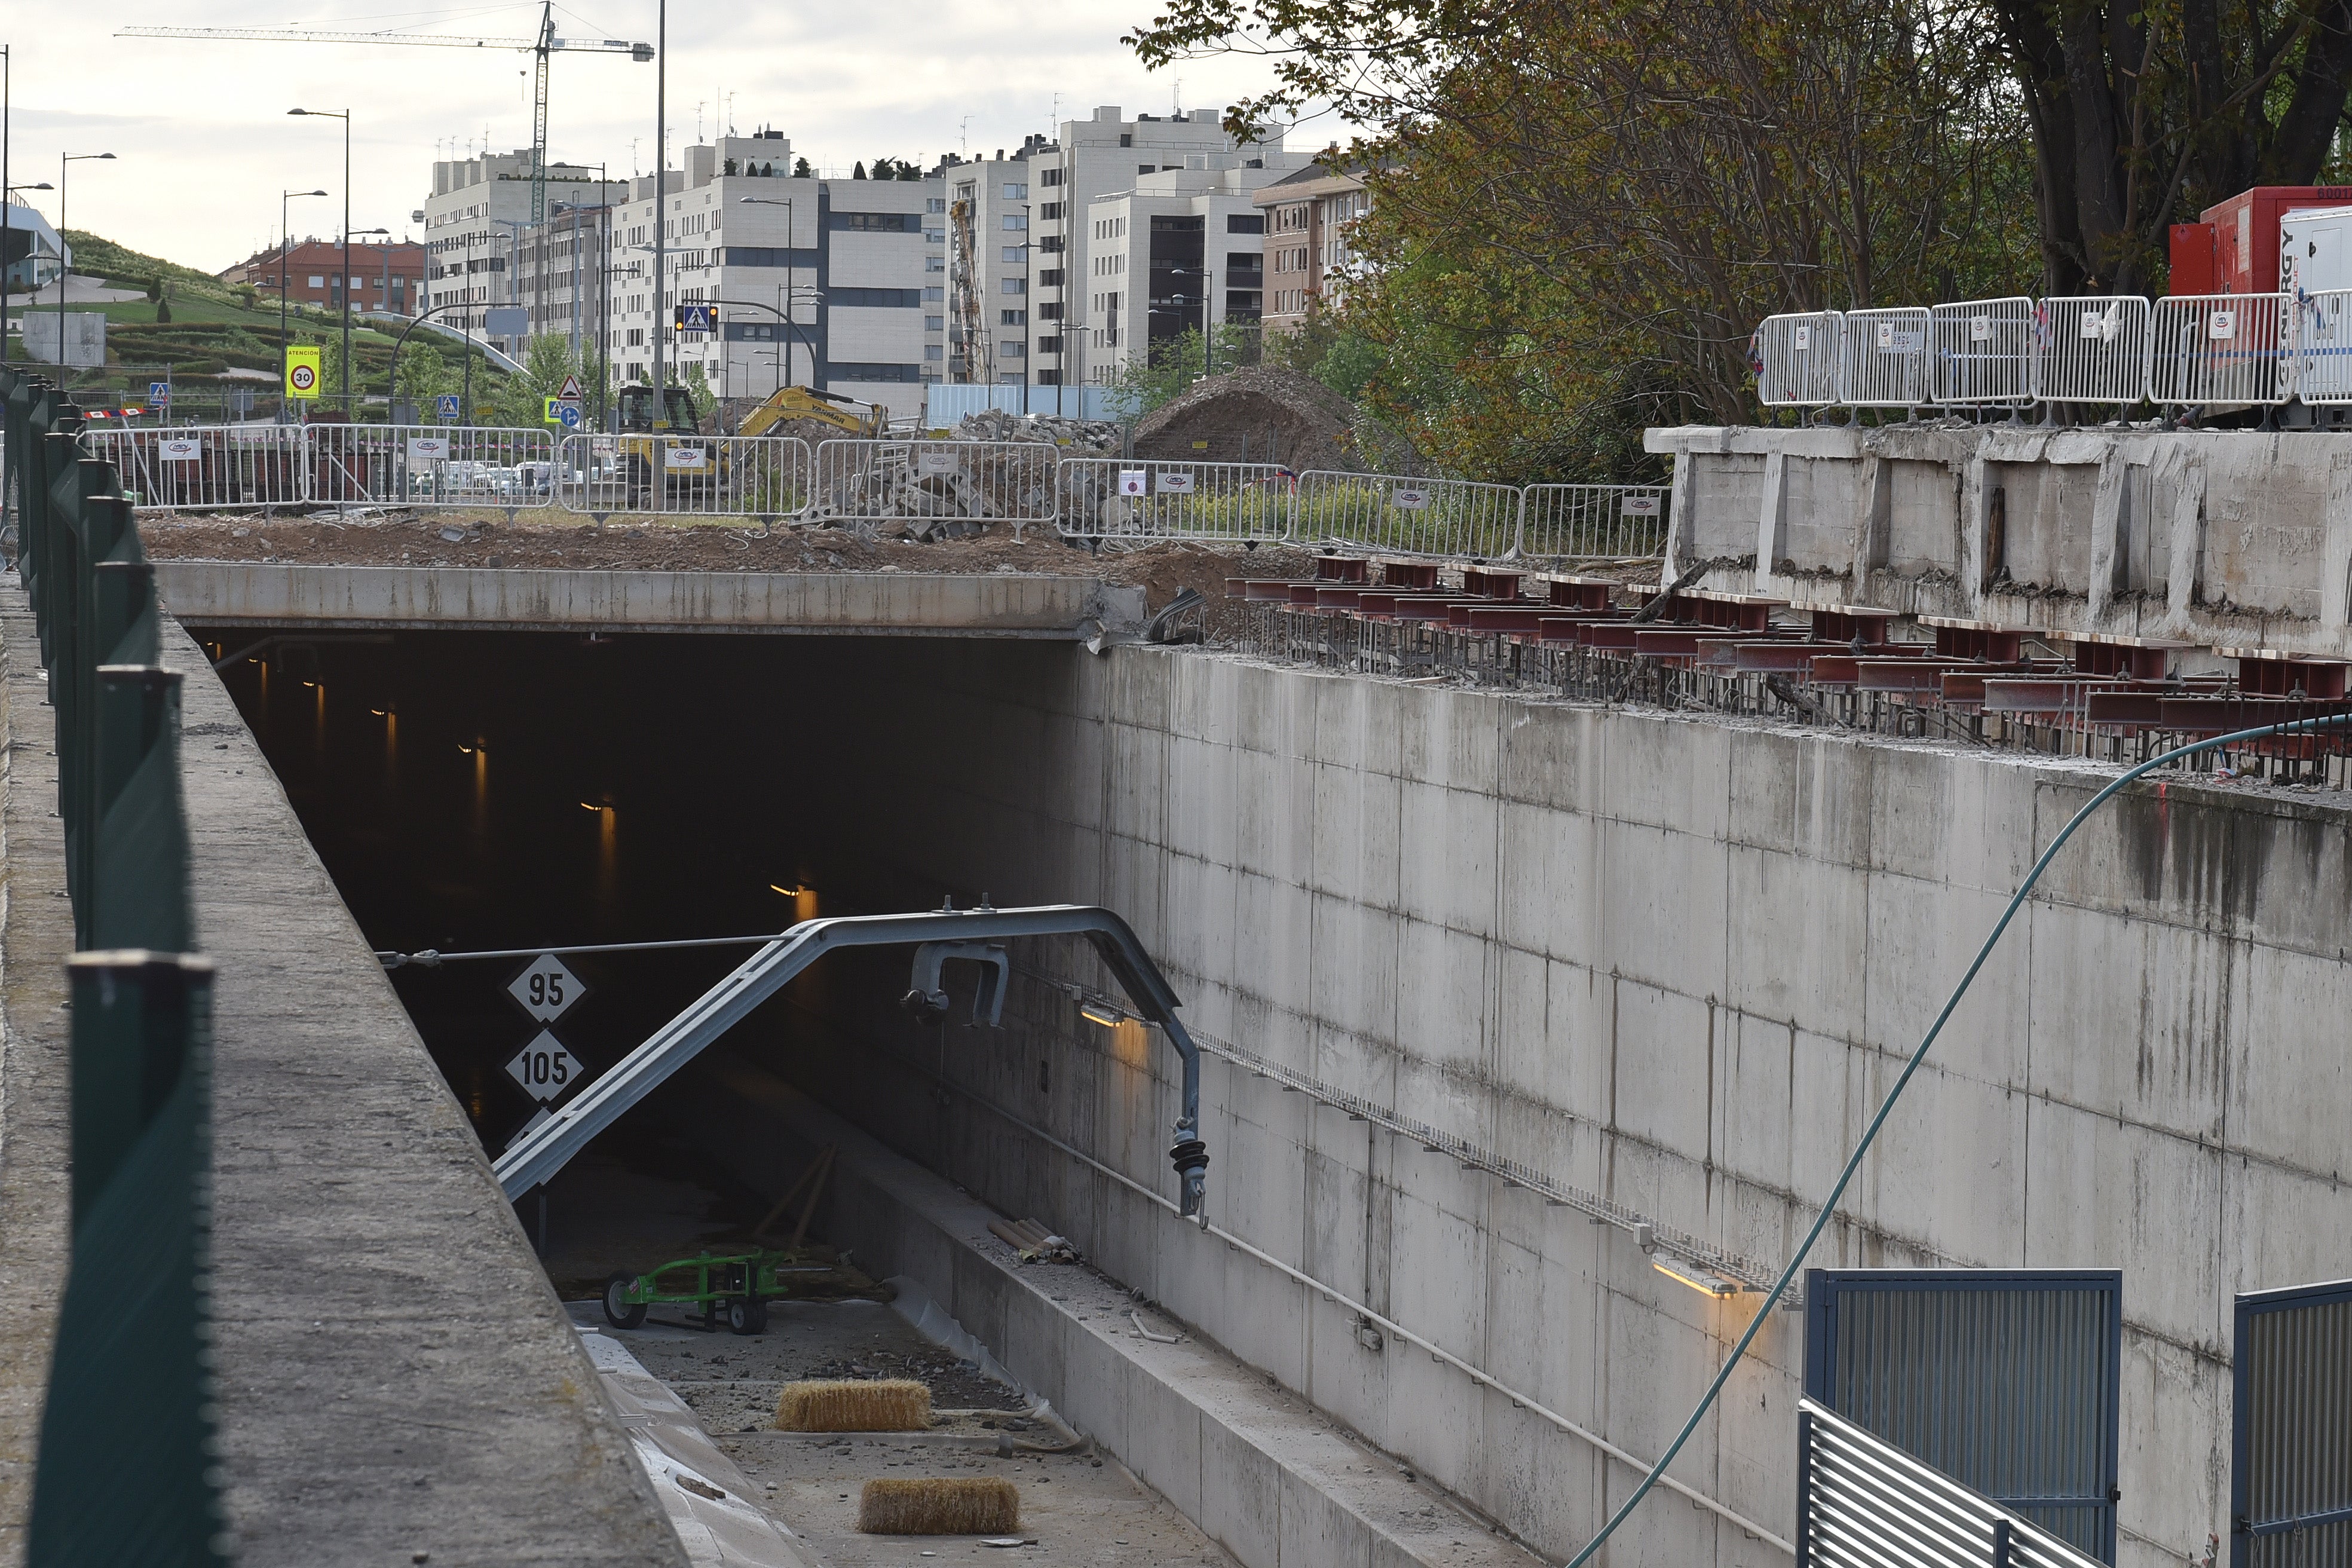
x=474, y=223
x=1019, y=243
x=835, y=284
x=1184, y=248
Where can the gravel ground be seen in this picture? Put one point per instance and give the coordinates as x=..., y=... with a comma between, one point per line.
x=1077, y=1507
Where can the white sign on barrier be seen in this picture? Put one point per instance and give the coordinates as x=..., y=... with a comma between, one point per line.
x=1175, y=484
x=1409, y=499
x=181, y=449
x=1641, y=506
x=1133, y=481
x=1980, y=329
x=2222, y=324
x=1803, y=335
x=428, y=449
x=684, y=457
x=935, y=462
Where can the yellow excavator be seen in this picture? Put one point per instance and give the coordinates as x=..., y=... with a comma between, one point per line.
x=688, y=464
x=847, y=415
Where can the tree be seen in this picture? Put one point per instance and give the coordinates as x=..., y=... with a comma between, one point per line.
x=1174, y=363
x=548, y=360
x=801, y=170
x=162, y=304
x=425, y=373
x=2145, y=112
x=857, y=171
x=1578, y=214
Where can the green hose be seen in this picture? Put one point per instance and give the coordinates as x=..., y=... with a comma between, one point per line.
x=1828, y=1205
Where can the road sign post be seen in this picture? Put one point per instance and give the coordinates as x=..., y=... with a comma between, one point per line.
x=446, y=406
x=303, y=367
x=159, y=394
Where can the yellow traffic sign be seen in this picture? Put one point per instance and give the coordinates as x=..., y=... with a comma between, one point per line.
x=302, y=370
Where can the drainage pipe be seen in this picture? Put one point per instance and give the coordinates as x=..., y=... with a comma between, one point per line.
x=1869, y=1133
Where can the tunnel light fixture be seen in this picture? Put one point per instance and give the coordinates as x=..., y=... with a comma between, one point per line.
x=380, y=712
x=788, y=892
x=589, y=805
x=1690, y=1274
x=1103, y=1013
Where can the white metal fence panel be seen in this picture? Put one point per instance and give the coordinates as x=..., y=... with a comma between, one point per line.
x=1593, y=523
x=1983, y=352
x=750, y=478
x=1798, y=359
x=2091, y=349
x=1887, y=364
x=936, y=482
x=1865, y=1503
x=1413, y=517
x=2323, y=346
x=1138, y=497
x=439, y=466
x=2213, y=349
x=205, y=468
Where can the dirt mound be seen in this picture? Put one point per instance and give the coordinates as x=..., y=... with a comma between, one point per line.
x=1263, y=414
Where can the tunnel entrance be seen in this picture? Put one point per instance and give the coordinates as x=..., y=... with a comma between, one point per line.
x=472, y=790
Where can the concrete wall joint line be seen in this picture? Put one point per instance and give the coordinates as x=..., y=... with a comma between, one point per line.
x=1437, y=1352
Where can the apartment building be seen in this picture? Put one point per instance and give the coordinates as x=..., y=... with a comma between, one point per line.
x=836, y=284
x=386, y=274
x=1182, y=251
x=475, y=222
x=1020, y=252
x=1307, y=219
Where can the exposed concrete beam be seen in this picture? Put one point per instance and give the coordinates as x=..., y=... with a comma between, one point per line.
x=889, y=604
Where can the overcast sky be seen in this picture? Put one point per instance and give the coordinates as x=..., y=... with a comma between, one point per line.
x=204, y=144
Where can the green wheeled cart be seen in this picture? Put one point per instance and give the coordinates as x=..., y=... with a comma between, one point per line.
x=734, y=1288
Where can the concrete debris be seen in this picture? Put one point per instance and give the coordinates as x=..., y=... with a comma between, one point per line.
x=1033, y=1241
x=1083, y=438
x=937, y=492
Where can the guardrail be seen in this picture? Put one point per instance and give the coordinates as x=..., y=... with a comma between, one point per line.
x=427, y=465
x=1863, y=1503
x=943, y=485
x=1407, y=516
x=130, y=1392
x=2182, y=352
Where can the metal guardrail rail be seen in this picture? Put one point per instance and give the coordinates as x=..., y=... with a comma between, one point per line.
x=429, y=467
x=1407, y=516
x=1863, y=1503
x=129, y=1389
x=1126, y=498
x=766, y=479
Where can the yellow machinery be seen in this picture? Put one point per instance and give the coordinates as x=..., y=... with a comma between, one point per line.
x=847, y=415
x=689, y=464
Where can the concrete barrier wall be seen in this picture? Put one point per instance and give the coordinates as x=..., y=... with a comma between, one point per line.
x=2226, y=538
x=1667, y=959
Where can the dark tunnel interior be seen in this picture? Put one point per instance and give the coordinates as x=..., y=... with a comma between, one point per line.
x=488, y=790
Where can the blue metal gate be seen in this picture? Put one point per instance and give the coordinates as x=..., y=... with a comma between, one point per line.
x=2291, y=1454
x=2005, y=1380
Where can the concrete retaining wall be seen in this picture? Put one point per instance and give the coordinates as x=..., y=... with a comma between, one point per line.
x=1666, y=959
x=2226, y=538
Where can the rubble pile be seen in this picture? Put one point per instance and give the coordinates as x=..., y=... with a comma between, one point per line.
x=1081, y=437
x=939, y=491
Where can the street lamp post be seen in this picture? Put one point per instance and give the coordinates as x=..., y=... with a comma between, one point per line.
x=346, y=291
x=64, y=269
x=284, y=243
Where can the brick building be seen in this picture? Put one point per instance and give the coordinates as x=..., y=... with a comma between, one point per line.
x=385, y=276
x=1307, y=219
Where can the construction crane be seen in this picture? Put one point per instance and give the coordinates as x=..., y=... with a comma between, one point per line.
x=544, y=44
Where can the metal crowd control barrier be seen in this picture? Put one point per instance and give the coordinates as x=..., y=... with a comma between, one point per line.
x=452, y=466
x=1983, y=352
x=1862, y=1502
x=1413, y=517
x=1885, y=363
x=2208, y=348
x=2323, y=346
x=1116, y=498
x=755, y=477
x=2091, y=349
x=205, y=468
x=1592, y=522
x=130, y=1390
x=1799, y=359
x=935, y=482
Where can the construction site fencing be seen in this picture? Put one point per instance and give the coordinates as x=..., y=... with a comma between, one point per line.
x=1592, y=522
x=1800, y=360
x=942, y=486
x=2091, y=349
x=762, y=479
x=2322, y=361
x=1116, y=498
x=1407, y=516
x=1886, y=363
x=206, y=468
x=2221, y=349
x=1983, y=353
x=436, y=466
